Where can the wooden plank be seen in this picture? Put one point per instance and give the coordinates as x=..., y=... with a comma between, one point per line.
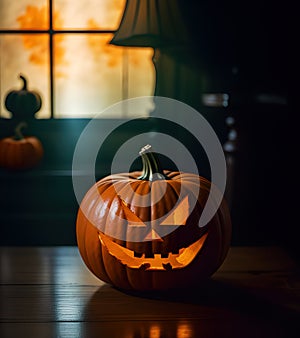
x=38, y=265
x=216, y=299
x=39, y=303
x=49, y=292
x=44, y=265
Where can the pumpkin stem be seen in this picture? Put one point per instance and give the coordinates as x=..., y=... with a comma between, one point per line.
x=18, y=133
x=151, y=167
x=24, y=82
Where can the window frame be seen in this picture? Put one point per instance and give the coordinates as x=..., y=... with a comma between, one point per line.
x=51, y=32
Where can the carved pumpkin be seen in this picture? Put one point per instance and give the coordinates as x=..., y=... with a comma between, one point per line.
x=158, y=245
x=23, y=104
x=20, y=152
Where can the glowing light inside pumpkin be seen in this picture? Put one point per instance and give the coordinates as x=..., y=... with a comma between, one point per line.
x=179, y=215
x=174, y=261
x=152, y=235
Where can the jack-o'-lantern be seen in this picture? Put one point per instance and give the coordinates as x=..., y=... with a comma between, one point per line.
x=140, y=230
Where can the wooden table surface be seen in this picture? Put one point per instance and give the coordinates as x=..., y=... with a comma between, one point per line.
x=48, y=292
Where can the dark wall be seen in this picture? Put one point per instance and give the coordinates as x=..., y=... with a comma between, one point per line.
x=38, y=206
x=246, y=47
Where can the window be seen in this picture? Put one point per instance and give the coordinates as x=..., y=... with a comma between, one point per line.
x=62, y=48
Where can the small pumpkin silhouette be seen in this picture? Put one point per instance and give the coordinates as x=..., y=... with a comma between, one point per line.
x=23, y=104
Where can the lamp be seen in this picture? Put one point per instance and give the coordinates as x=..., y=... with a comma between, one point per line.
x=151, y=23
x=160, y=25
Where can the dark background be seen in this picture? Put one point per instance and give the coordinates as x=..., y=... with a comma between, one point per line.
x=240, y=48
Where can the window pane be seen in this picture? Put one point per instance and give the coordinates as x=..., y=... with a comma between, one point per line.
x=89, y=77
x=141, y=72
x=28, y=55
x=91, y=14
x=24, y=14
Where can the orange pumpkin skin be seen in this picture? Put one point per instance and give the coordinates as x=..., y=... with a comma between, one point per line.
x=97, y=248
x=20, y=154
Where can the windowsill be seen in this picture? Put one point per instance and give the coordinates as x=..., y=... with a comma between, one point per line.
x=46, y=173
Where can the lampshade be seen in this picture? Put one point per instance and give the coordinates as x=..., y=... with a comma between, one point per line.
x=151, y=23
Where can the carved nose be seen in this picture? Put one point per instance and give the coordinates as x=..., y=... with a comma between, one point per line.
x=153, y=236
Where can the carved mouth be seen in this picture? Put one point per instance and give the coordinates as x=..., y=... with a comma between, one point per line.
x=159, y=262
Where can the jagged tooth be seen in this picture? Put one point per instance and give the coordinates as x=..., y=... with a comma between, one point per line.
x=181, y=251
x=145, y=266
x=167, y=266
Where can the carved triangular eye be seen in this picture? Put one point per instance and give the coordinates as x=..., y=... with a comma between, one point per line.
x=131, y=217
x=179, y=214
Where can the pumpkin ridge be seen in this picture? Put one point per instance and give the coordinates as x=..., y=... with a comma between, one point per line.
x=175, y=186
x=117, y=199
x=145, y=187
x=85, y=254
x=102, y=218
x=138, y=211
x=81, y=230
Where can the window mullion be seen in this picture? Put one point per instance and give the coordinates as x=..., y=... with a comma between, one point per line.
x=51, y=59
